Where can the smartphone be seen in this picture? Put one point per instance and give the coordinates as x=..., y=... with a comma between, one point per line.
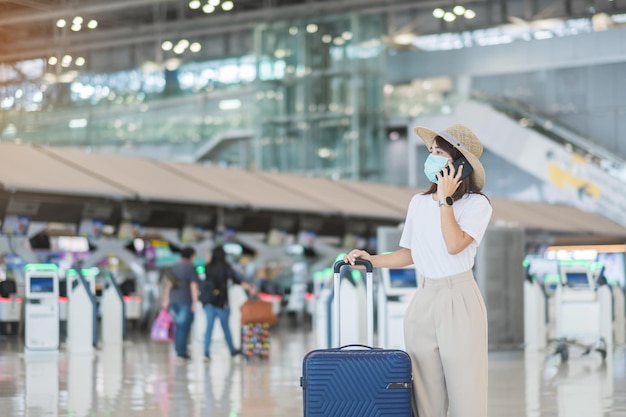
x=461, y=161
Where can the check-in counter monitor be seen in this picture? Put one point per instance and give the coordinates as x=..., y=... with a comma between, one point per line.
x=41, y=291
x=577, y=278
x=399, y=282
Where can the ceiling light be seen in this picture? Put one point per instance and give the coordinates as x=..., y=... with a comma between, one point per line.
x=77, y=20
x=327, y=38
x=458, y=10
x=172, y=64
x=214, y=3
x=469, y=14
x=230, y=104
x=293, y=30
x=449, y=17
x=183, y=43
x=438, y=13
x=67, y=77
x=324, y=153
x=76, y=28
x=66, y=61
x=52, y=60
x=167, y=46
x=311, y=28
x=404, y=38
x=77, y=123
x=195, y=4
x=228, y=6
x=346, y=35
x=80, y=61
x=207, y=8
x=61, y=23
x=195, y=47
x=92, y=24
x=178, y=49
x=338, y=41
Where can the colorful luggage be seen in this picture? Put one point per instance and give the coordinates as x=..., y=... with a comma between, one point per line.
x=255, y=340
x=367, y=382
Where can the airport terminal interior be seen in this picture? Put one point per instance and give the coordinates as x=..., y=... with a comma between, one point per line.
x=282, y=132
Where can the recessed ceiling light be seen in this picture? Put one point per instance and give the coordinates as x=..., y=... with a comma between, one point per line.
x=438, y=13
x=167, y=46
x=92, y=24
x=228, y=6
x=195, y=4
x=469, y=14
x=61, y=23
x=449, y=17
x=458, y=10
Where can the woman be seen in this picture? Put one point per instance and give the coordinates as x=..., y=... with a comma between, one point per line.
x=214, y=297
x=445, y=325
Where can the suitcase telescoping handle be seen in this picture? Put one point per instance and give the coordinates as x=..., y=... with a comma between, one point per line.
x=369, y=287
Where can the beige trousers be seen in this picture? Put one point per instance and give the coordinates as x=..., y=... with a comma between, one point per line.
x=445, y=333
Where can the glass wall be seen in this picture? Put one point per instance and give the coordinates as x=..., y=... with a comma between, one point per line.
x=307, y=99
x=319, y=96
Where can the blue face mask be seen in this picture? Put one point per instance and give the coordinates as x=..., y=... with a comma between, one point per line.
x=434, y=164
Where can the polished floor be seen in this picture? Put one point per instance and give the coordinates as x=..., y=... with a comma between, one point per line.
x=144, y=378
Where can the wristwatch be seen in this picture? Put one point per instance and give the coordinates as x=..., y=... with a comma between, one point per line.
x=448, y=201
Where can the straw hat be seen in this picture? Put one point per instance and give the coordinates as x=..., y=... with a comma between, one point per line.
x=463, y=139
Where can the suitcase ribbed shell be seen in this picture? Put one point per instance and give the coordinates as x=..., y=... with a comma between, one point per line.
x=363, y=383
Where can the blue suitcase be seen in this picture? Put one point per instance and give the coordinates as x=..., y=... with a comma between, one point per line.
x=356, y=380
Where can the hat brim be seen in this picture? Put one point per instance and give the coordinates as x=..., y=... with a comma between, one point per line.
x=428, y=136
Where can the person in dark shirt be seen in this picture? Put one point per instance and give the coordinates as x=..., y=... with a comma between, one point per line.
x=214, y=297
x=180, y=298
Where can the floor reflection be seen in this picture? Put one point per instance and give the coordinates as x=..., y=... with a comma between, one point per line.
x=143, y=378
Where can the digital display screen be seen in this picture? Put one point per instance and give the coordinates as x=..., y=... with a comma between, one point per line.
x=41, y=285
x=402, y=278
x=577, y=279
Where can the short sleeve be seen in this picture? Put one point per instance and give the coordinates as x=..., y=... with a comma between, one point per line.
x=406, y=238
x=475, y=217
x=194, y=275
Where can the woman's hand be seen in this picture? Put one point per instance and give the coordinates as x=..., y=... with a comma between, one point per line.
x=448, y=182
x=355, y=254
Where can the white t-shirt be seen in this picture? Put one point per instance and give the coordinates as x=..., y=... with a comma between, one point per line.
x=422, y=234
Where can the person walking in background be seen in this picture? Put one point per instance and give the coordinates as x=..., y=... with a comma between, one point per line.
x=181, y=296
x=445, y=325
x=214, y=297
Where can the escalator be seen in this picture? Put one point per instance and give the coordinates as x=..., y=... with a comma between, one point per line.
x=593, y=178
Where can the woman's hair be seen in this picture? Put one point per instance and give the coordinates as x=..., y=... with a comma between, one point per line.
x=218, y=256
x=468, y=185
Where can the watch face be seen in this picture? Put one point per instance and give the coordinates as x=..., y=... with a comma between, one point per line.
x=449, y=201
